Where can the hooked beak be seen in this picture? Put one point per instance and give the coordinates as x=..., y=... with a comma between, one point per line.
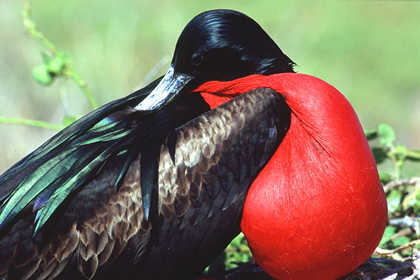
x=169, y=87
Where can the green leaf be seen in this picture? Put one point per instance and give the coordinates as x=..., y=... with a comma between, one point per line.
x=413, y=155
x=394, y=198
x=41, y=74
x=411, y=198
x=57, y=64
x=401, y=241
x=401, y=151
x=380, y=154
x=371, y=134
x=386, y=135
x=388, y=234
x=384, y=177
x=45, y=57
x=237, y=251
x=416, y=205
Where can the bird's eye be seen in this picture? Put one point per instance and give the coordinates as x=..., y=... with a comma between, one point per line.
x=196, y=59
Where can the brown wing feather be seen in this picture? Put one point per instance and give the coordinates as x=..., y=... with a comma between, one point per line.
x=203, y=186
x=201, y=191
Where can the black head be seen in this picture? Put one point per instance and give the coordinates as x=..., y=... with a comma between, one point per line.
x=224, y=45
x=218, y=45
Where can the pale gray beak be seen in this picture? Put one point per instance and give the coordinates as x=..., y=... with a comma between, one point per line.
x=171, y=84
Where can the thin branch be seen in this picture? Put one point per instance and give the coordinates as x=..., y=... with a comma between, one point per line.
x=414, y=181
x=83, y=85
x=31, y=29
x=33, y=123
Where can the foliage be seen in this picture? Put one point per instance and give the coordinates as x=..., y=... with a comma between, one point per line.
x=57, y=64
x=403, y=194
x=237, y=252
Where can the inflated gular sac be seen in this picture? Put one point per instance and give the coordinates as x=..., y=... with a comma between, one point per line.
x=317, y=209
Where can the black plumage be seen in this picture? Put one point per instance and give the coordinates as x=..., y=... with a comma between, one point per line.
x=151, y=193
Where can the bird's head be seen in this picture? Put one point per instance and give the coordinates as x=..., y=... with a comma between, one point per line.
x=217, y=45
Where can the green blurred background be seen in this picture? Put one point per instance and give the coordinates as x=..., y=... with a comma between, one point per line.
x=369, y=50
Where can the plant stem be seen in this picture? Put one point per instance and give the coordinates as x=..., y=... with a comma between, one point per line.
x=31, y=29
x=33, y=123
x=69, y=72
x=83, y=85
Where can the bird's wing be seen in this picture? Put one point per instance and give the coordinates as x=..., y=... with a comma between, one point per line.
x=202, y=187
x=66, y=161
x=192, y=176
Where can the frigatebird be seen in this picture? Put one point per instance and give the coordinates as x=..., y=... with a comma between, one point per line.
x=152, y=186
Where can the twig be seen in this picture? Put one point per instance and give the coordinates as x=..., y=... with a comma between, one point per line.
x=27, y=122
x=390, y=253
x=414, y=181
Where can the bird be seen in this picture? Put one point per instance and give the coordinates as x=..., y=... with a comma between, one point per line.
x=156, y=184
